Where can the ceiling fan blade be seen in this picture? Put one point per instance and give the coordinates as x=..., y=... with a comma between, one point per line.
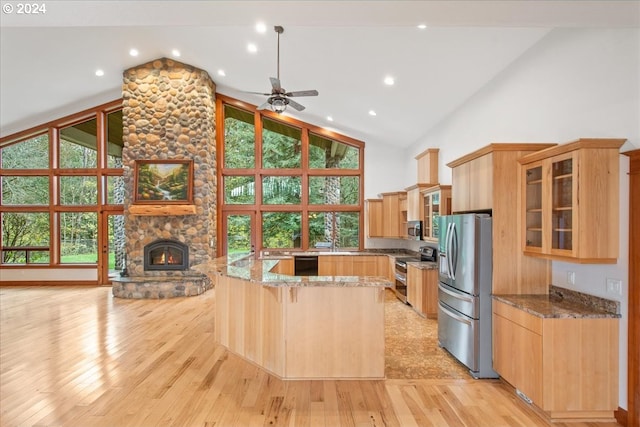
x=295, y=105
x=303, y=93
x=264, y=106
x=275, y=83
x=257, y=93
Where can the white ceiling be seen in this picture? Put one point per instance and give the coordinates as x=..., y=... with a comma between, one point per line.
x=343, y=49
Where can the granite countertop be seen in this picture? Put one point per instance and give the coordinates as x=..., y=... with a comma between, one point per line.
x=563, y=303
x=257, y=271
x=424, y=265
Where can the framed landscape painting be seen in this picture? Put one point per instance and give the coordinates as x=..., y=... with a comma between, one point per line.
x=163, y=181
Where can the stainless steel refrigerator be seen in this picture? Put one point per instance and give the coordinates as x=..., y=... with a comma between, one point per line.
x=464, y=291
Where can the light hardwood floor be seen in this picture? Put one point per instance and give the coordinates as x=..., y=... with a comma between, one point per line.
x=75, y=356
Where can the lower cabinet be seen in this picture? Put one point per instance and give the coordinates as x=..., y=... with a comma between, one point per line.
x=284, y=266
x=568, y=367
x=349, y=265
x=422, y=290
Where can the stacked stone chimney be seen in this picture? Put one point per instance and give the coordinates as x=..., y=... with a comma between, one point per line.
x=169, y=114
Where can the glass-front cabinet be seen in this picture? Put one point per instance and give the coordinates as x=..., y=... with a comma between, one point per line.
x=570, y=201
x=533, y=207
x=436, y=202
x=562, y=196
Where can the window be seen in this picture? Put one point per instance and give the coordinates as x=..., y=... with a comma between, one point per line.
x=52, y=205
x=303, y=183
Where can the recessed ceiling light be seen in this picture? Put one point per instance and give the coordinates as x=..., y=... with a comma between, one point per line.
x=261, y=27
x=389, y=81
x=99, y=73
x=422, y=26
x=372, y=113
x=221, y=73
x=252, y=48
x=133, y=52
x=176, y=53
x=329, y=118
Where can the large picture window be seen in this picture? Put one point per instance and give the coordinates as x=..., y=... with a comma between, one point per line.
x=55, y=185
x=303, y=183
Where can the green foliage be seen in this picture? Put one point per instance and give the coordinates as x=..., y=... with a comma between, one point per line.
x=281, y=229
x=29, y=154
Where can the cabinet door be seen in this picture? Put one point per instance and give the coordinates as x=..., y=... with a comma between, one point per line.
x=335, y=265
x=563, y=199
x=430, y=292
x=481, y=183
x=517, y=354
x=532, y=207
x=414, y=288
x=364, y=265
x=427, y=232
x=391, y=215
x=460, y=187
x=374, y=218
x=414, y=205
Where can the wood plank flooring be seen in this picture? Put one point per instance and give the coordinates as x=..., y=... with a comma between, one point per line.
x=75, y=356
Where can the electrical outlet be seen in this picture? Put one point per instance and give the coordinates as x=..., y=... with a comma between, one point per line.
x=614, y=286
x=571, y=277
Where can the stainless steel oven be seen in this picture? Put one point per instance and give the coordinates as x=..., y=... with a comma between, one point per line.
x=401, y=277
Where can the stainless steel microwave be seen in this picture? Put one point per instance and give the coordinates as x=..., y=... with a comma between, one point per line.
x=414, y=230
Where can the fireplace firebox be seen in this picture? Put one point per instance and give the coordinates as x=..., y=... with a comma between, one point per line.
x=166, y=255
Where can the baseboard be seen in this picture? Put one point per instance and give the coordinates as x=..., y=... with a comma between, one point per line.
x=621, y=416
x=48, y=283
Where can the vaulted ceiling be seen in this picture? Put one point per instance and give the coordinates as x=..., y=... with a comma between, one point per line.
x=344, y=49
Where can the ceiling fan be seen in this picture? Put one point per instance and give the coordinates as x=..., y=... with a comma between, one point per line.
x=280, y=98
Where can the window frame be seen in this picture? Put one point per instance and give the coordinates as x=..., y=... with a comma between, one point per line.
x=55, y=172
x=304, y=208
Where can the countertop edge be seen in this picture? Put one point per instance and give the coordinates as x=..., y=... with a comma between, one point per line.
x=546, y=306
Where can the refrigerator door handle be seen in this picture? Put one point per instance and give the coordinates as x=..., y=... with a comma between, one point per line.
x=453, y=250
x=457, y=295
x=453, y=315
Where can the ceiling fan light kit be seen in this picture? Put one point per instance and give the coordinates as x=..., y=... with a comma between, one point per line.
x=279, y=98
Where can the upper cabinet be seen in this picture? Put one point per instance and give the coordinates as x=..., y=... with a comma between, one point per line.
x=428, y=166
x=436, y=201
x=487, y=180
x=473, y=183
x=374, y=218
x=394, y=214
x=570, y=201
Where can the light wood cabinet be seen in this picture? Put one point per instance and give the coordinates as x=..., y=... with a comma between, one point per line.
x=428, y=166
x=422, y=290
x=570, y=201
x=436, y=201
x=568, y=367
x=473, y=185
x=284, y=266
x=349, y=265
x=394, y=214
x=492, y=175
x=374, y=218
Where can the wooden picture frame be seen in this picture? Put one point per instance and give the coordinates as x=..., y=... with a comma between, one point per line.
x=162, y=182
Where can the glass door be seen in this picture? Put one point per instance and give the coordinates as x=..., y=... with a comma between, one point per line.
x=111, y=259
x=238, y=232
x=562, y=193
x=533, y=207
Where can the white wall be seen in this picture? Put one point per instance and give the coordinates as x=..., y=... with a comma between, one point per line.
x=384, y=170
x=574, y=83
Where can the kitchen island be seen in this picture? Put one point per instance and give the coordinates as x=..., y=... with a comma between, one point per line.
x=299, y=327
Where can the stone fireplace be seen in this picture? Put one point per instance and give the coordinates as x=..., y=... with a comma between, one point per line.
x=168, y=114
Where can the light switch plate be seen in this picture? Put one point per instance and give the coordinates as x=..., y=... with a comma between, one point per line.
x=614, y=286
x=571, y=277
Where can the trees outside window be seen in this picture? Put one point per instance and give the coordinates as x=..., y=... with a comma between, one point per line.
x=304, y=183
x=54, y=185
